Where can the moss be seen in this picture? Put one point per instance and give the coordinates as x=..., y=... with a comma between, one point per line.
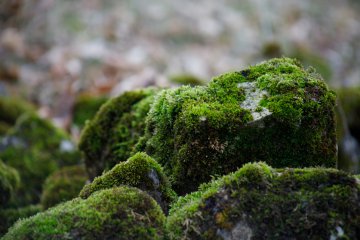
x=110, y=136
x=315, y=203
x=9, y=182
x=36, y=148
x=85, y=108
x=9, y=216
x=139, y=171
x=117, y=213
x=187, y=79
x=63, y=185
x=196, y=133
x=10, y=110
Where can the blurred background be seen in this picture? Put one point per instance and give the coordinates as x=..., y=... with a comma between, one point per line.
x=67, y=57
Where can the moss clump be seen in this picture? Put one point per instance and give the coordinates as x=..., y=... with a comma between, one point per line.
x=195, y=133
x=85, y=108
x=8, y=216
x=187, y=79
x=315, y=203
x=110, y=136
x=9, y=182
x=35, y=148
x=117, y=213
x=63, y=185
x=10, y=110
x=139, y=171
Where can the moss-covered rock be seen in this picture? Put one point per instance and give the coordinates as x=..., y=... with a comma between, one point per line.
x=187, y=79
x=117, y=213
x=10, y=110
x=139, y=171
x=258, y=202
x=110, y=136
x=35, y=148
x=8, y=216
x=9, y=182
x=85, y=108
x=348, y=129
x=276, y=111
x=63, y=185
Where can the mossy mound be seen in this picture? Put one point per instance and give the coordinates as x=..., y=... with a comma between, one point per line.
x=63, y=185
x=8, y=216
x=9, y=182
x=85, y=108
x=258, y=202
x=139, y=171
x=110, y=136
x=187, y=79
x=10, y=110
x=117, y=213
x=276, y=111
x=35, y=148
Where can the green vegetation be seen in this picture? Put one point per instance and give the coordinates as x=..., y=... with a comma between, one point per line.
x=187, y=79
x=8, y=216
x=110, y=136
x=309, y=203
x=63, y=185
x=117, y=213
x=35, y=148
x=276, y=111
x=9, y=182
x=10, y=110
x=85, y=108
x=139, y=171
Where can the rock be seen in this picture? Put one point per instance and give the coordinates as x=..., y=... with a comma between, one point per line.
x=276, y=111
x=259, y=202
x=139, y=171
x=34, y=147
x=116, y=213
x=110, y=136
x=63, y=185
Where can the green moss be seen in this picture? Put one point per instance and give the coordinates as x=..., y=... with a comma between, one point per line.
x=36, y=148
x=314, y=203
x=139, y=171
x=9, y=216
x=196, y=133
x=10, y=110
x=117, y=213
x=9, y=182
x=187, y=79
x=63, y=185
x=110, y=136
x=85, y=108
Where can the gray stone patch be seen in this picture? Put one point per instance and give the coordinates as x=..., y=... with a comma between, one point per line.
x=253, y=96
x=241, y=231
x=154, y=177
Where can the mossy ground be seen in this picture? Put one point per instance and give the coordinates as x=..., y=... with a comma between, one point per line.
x=9, y=182
x=34, y=147
x=110, y=136
x=259, y=202
x=117, y=213
x=213, y=128
x=139, y=171
x=63, y=185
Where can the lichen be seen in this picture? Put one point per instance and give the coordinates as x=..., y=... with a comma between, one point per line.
x=312, y=203
x=139, y=171
x=116, y=213
x=199, y=132
x=63, y=185
x=110, y=136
